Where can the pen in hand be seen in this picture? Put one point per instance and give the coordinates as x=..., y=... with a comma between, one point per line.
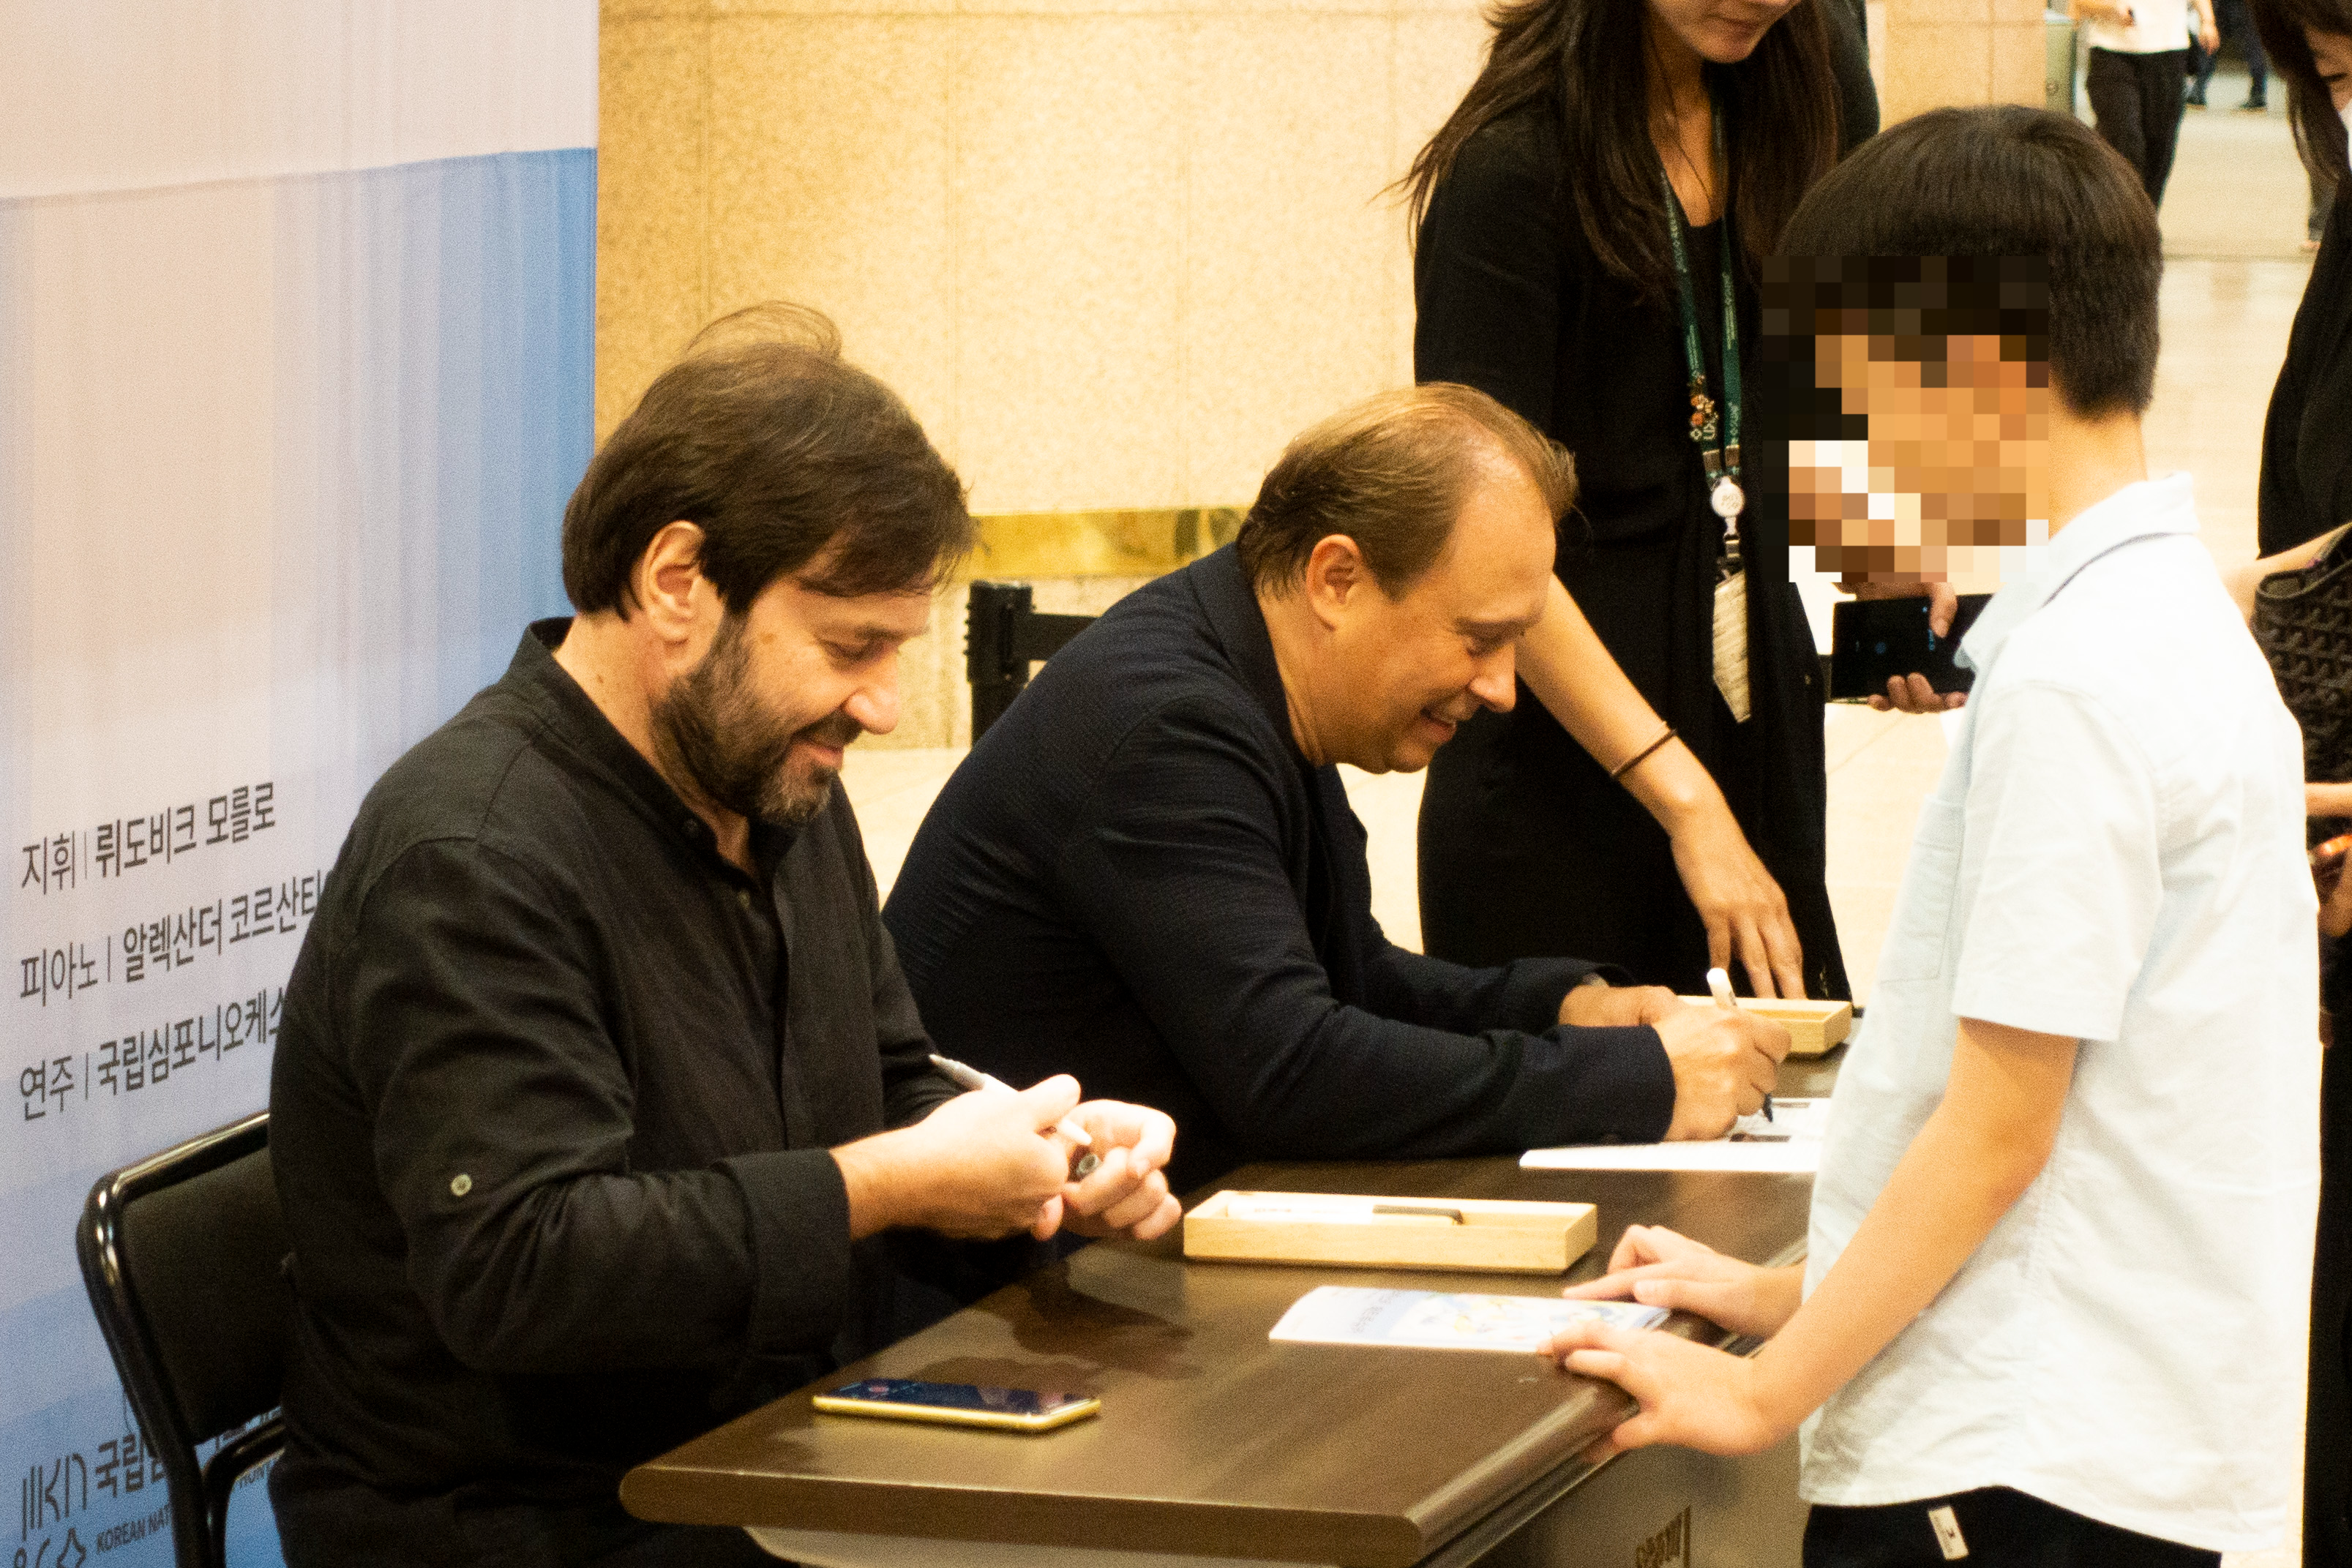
x=1719, y=983
x=971, y=1078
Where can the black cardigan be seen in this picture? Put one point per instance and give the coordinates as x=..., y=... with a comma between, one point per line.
x=1136, y=878
x=1526, y=846
x=2307, y=436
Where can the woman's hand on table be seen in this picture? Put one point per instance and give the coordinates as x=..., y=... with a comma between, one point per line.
x=1662, y=1268
x=1127, y=1195
x=1744, y=912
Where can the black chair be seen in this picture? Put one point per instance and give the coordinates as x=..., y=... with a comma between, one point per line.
x=1002, y=637
x=183, y=1255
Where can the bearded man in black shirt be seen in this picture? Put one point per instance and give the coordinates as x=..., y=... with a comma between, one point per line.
x=599, y=1087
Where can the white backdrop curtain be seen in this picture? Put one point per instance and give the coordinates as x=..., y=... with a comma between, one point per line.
x=295, y=325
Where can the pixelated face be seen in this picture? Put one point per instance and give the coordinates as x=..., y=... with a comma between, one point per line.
x=1921, y=445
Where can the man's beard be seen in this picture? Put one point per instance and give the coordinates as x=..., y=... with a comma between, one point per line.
x=709, y=727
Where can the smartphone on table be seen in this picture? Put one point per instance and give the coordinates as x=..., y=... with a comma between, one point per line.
x=958, y=1404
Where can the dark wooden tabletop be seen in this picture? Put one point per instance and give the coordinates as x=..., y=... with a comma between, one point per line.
x=1213, y=1440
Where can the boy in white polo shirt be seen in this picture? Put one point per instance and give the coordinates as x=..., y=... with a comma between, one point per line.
x=2064, y=1218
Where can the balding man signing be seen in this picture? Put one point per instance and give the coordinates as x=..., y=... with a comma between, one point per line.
x=1147, y=873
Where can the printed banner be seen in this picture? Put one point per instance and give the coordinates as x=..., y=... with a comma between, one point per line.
x=284, y=447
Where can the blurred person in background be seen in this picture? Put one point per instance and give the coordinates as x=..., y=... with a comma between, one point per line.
x=2140, y=52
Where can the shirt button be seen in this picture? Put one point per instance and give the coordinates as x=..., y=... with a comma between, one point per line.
x=460, y=1184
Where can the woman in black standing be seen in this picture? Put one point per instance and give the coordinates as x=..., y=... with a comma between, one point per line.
x=2306, y=493
x=1548, y=274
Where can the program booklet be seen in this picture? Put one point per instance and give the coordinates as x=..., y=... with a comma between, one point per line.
x=1444, y=1320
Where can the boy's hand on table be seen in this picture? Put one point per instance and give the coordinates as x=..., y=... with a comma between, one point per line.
x=1127, y=1195
x=1690, y=1396
x=1661, y=1267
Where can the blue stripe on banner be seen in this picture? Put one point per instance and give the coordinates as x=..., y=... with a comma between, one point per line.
x=439, y=346
x=432, y=334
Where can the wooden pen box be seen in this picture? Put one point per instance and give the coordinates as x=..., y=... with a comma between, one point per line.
x=1487, y=1235
x=1813, y=1026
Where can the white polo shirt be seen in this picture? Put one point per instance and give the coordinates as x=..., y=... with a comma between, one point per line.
x=2116, y=853
x=2156, y=25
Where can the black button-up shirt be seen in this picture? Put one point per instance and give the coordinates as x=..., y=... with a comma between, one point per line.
x=550, y=1126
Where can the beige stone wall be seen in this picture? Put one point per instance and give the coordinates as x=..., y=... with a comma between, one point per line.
x=1114, y=252
x=1932, y=52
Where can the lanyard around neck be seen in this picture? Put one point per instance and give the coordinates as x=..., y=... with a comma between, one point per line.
x=1718, y=445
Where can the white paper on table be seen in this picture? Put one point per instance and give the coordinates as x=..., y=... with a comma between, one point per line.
x=1444, y=1320
x=1789, y=1144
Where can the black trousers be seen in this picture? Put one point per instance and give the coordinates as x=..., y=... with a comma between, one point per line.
x=2000, y=1528
x=2231, y=19
x=2136, y=98
x=2327, y=1431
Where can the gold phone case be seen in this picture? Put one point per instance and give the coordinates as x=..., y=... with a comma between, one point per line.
x=1004, y=1420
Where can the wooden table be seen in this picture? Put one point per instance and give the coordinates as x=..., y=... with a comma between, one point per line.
x=1217, y=1445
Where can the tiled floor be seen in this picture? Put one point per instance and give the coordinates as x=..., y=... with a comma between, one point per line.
x=2229, y=297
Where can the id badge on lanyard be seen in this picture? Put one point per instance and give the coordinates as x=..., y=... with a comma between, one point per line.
x=1717, y=442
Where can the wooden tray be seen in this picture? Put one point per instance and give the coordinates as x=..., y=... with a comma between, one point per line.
x=1813, y=1026
x=1489, y=1236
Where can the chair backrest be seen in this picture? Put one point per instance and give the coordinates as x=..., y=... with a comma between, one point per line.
x=1002, y=637
x=184, y=1255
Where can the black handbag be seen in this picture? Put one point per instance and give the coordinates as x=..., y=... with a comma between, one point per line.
x=2302, y=621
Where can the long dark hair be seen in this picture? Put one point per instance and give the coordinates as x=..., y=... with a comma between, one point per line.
x=1579, y=59
x=2318, y=129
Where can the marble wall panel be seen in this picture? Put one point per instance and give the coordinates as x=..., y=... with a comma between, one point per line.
x=2020, y=63
x=1932, y=64
x=652, y=111
x=1288, y=239
x=1901, y=14
x=830, y=186
x=1070, y=228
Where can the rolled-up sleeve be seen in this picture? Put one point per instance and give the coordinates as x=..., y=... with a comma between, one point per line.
x=1178, y=871
x=502, y=1114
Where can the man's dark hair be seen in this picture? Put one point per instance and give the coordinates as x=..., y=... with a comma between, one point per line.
x=2285, y=26
x=787, y=458
x=2005, y=182
x=1392, y=473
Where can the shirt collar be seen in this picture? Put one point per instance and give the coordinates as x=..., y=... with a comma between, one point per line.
x=2148, y=510
x=1233, y=611
x=573, y=716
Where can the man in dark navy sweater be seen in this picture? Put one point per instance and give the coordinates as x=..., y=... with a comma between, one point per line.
x=1147, y=873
